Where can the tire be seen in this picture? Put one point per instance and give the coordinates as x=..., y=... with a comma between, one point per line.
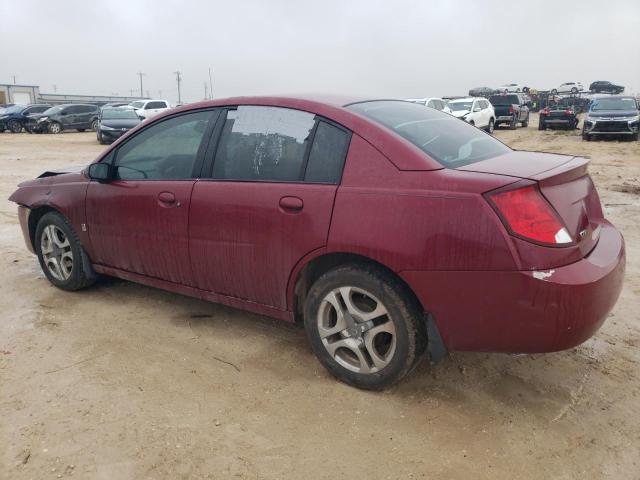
x=100, y=139
x=541, y=125
x=14, y=126
x=525, y=89
x=491, y=127
x=55, y=127
x=525, y=123
x=362, y=359
x=94, y=125
x=574, y=90
x=62, y=258
x=472, y=123
x=634, y=137
x=81, y=129
x=514, y=122
x=585, y=135
x=554, y=91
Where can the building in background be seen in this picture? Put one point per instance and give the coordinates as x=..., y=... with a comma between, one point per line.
x=23, y=94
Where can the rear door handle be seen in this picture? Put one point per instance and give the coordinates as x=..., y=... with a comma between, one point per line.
x=294, y=204
x=167, y=199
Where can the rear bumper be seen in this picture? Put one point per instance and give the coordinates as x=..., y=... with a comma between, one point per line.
x=525, y=311
x=504, y=118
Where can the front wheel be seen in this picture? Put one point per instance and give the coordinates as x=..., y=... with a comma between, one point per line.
x=525, y=122
x=55, y=127
x=554, y=91
x=574, y=90
x=14, y=126
x=585, y=135
x=364, y=327
x=94, y=125
x=62, y=258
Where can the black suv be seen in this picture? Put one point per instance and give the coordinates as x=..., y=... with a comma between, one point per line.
x=617, y=116
x=63, y=117
x=15, y=118
x=602, y=86
x=511, y=108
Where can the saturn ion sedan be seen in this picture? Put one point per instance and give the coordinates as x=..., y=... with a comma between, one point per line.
x=391, y=230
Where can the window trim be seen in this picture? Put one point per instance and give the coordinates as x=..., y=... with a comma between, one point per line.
x=214, y=115
x=214, y=144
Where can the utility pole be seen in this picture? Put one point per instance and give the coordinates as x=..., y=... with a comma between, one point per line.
x=55, y=88
x=140, y=74
x=131, y=90
x=206, y=88
x=14, y=79
x=178, y=80
x=210, y=84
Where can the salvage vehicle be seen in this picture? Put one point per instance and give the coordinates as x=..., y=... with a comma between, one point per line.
x=612, y=116
x=149, y=108
x=558, y=116
x=603, y=86
x=115, y=122
x=476, y=111
x=80, y=117
x=481, y=92
x=16, y=117
x=389, y=229
x=510, y=88
x=431, y=102
x=511, y=109
x=568, y=87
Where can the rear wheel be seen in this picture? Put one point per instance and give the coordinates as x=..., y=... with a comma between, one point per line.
x=62, y=258
x=55, y=127
x=491, y=126
x=514, y=122
x=574, y=90
x=554, y=91
x=363, y=326
x=94, y=125
x=14, y=126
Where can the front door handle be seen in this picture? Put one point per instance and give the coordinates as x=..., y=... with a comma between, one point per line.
x=291, y=204
x=167, y=199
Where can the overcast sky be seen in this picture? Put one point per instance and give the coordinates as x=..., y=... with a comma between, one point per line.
x=375, y=48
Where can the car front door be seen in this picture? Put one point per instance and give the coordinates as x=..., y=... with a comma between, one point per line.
x=138, y=221
x=267, y=203
x=68, y=116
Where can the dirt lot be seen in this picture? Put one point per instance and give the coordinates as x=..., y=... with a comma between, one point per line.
x=123, y=381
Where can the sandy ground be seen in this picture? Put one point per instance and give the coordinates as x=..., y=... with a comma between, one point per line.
x=126, y=382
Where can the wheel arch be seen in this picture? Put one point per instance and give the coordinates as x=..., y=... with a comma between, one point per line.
x=35, y=215
x=311, y=268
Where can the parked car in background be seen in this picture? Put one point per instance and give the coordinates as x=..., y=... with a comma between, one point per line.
x=15, y=118
x=510, y=88
x=293, y=211
x=115, y=122
x=431, y=102
x=567, y=87
x=615, y=116
x=603, y=86
x=474, y=110
x=149, y=108
x=558, y=116
x=69, y=116
x=481, y=92
x=511, y=109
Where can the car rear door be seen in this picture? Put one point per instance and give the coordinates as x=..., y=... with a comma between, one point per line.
x=267, y=201
x=138, y=222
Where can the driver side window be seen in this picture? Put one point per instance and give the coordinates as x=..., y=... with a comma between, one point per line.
x=164, y=151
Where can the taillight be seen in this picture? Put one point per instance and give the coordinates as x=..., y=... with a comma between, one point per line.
x=545, y=111
x=568, y=111
x=510, y=108
x=527, y=214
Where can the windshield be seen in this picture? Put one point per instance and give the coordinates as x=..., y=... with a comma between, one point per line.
x=625, y=103
x=118, y=114
x=504, y=100
x=14, y=109
x=53, y=110
x=459, y=106
x=137, y=104
x=449, y=140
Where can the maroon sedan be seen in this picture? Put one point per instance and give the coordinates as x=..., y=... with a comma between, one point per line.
x=389, y=228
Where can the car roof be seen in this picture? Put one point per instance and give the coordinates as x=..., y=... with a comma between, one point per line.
x=464, y=99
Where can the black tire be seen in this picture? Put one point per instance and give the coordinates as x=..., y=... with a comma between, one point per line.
x=491, y=127
x=94, y=125
x=54, y=127
x=404, y=314
x=100, y=138
x=81, y=129
x=14, y=126
x=574, y=90
x=81, y=272
x=554, y=91
x=541, y=125
x=514, y=122
x=585, y=135
x=525, y=123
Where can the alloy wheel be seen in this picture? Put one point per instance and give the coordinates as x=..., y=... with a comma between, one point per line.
x=56, y=252
x=356, y=329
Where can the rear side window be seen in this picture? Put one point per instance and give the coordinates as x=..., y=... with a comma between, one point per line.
x=263, y=144
x=329, y=149
x=151, y=105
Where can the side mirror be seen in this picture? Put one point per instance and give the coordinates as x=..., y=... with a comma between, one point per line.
x=100, y=172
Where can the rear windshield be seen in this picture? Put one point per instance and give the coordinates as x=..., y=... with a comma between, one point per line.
x=449, y=140
x=504, y=100
x=118, y=114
